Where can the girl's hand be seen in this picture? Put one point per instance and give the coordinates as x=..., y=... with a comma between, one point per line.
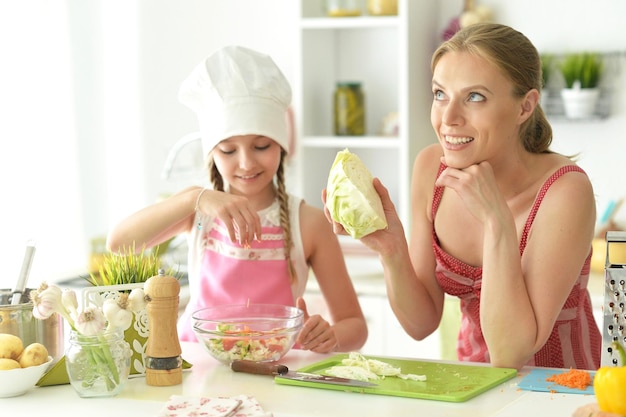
x=235, y=212
x=316, y=335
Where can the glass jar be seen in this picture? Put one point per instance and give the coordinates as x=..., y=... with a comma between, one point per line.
x=349, y=109
x=98, y=366
x=382, y=7
x=343, y=8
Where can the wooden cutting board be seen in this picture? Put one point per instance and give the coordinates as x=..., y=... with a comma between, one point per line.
x=444, y=381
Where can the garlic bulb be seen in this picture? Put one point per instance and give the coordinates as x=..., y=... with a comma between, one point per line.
x=91, y=321
x=117, y=314
x=137, y=300
x=70, y=302
x=46, y=301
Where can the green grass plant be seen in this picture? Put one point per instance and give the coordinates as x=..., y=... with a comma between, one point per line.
x=584, y=67
x=129, y=267
x=547, y=66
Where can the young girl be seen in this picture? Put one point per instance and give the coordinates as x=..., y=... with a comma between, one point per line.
x=249, y=240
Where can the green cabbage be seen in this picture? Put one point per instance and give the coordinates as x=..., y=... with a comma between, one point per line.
x=351, y=198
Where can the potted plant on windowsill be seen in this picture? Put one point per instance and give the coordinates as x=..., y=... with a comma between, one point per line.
x=581, y=72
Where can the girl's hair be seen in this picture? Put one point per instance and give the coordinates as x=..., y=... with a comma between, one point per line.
x=283, y=200
x=519, y=61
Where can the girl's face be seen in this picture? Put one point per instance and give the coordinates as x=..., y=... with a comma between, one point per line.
x=248, y=164
x=474, y=112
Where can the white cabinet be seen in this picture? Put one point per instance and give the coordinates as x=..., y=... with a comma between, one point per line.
x=386, y=336
x=390, y=56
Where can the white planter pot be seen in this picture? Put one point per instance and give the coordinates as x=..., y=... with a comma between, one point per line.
x=580, y=103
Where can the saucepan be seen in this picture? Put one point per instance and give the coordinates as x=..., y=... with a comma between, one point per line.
x=18, y=319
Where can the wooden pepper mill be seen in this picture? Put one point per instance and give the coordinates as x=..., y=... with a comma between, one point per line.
x=163, y=360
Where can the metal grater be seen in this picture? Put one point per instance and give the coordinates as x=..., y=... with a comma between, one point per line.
x=614, y=309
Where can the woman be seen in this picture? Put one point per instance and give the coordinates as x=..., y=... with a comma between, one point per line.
x=249, y=240
x=498, y=219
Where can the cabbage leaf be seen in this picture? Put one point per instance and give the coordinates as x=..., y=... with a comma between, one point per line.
x=351, y=198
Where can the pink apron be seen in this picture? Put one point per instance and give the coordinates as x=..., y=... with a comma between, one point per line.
x=233, y=274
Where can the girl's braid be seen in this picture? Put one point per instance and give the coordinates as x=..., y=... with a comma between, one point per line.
x=283, y=200
x=215, y=177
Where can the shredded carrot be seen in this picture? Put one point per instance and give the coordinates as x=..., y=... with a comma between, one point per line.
x=574, y=378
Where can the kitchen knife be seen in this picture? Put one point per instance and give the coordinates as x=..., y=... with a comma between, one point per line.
x=268, y=368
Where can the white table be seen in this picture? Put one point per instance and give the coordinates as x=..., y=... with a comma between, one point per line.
x=209, y=378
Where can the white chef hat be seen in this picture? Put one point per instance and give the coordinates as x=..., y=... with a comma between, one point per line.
x=238, y=91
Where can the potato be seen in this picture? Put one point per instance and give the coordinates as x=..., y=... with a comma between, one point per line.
x=11, y=346
x=6, y=364
x=33, y=355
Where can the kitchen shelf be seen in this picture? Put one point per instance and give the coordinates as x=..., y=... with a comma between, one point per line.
x=351, y=142
x=390, y=56
x=348, y=22
x=553, y=107
x=613, y=63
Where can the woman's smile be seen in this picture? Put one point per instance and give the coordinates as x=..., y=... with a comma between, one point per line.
x=457, y=140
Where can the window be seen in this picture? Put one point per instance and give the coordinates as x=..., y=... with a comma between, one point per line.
x=69, y=130
x=39, y=170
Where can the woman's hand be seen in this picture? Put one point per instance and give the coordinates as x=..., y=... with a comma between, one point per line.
x=476, y=185
x=337, y=227
x=378, y=240
x=234, y=211
x=317, y=334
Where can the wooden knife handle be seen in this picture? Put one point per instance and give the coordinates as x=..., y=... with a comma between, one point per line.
x=260, y=368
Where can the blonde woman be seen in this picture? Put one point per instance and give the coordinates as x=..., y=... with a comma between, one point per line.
x=498, y=219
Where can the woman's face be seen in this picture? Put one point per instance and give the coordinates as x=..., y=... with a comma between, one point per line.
x=248, y=163
x=474, y=112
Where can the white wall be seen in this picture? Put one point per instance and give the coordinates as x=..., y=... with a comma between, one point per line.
x=39, y=169
x=126, y=61
x=131, y=56
x=174, y=36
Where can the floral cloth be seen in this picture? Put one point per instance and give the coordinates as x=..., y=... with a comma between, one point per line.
x=239, y=406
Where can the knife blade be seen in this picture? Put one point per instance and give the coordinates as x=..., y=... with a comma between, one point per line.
x=273, y=369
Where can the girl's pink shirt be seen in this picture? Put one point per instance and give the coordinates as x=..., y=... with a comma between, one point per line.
x=224, y=272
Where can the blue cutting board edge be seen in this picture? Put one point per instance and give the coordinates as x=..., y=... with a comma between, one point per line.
x=536, y=381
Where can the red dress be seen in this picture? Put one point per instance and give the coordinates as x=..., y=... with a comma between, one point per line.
x=575, y=341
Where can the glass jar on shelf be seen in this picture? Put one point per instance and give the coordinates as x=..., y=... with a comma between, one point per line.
x=382, y=7
x=349, y=109
x=343, y=8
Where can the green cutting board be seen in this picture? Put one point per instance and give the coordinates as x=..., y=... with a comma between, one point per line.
x=444, y=381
